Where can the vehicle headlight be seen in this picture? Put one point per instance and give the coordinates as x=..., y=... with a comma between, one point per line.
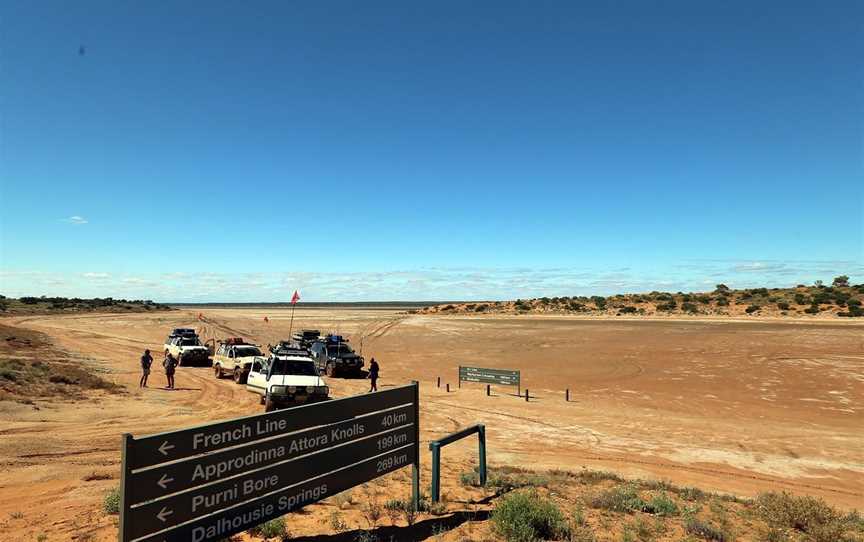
x=292, y=389
x=277, y=390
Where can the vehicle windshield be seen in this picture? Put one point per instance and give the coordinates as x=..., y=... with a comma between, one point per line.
x=341, y=350
x=293, y=367
x=189, y=342
x=244, y=351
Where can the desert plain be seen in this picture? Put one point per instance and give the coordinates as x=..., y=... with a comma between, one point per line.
x=734, y=406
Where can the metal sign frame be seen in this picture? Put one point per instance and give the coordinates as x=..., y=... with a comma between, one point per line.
x=209, y=482
x=502, y=377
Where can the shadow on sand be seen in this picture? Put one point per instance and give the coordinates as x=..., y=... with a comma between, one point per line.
x=419, y=531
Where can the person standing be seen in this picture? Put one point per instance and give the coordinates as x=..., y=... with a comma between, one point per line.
x=170, y=363
x=373, y=375
x=146, y=362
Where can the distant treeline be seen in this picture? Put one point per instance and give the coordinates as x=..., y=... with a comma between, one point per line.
x=841, y=298
x=318, y=305
x=52, y=304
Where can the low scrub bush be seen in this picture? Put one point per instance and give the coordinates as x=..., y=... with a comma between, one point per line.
x=808, y=515
x=623, y=498
x=705, y=530
x=689, y=307
x=528, y=517
x=275, y=528
x=663, y=505
x=111, y=502
x=783, y=306
x=752, y=308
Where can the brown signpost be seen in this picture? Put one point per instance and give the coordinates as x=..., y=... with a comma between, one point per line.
x=209, y=482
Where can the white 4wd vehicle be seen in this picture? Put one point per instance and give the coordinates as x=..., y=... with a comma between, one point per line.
x=286, y=380
x=235, y=359
x=188, y=350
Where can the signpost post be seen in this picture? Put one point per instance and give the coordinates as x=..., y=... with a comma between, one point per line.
x=503, y=377
x=209, y=482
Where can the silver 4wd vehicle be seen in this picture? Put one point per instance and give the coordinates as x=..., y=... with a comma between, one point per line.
x=234, y=357
x=188, y=350
x=286, y=380
x=335, y=357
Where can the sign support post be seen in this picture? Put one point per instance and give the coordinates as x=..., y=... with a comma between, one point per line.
x=125, y=472
x=415, y=468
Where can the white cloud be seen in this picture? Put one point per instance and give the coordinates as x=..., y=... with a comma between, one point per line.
x=96, y=276
x=75, y=220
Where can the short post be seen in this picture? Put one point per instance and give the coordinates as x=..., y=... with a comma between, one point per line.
x=488, y=390
x=439, y=381
x=436, y=470
x=482, y=434
x=448, y=387
x=567, y=395
x=526, y=395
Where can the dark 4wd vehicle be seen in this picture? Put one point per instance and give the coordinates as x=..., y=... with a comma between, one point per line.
x=306, y=337
x=335, y=357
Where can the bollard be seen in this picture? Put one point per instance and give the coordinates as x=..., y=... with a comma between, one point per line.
x=439, y=381
x=487, y=390
x=526, y=395
x=448, y=387
x=567, y=395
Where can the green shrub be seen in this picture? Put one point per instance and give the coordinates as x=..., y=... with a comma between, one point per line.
x=275, y=528
x=705, y=531
x=812, y=309
x=805, y=514
x=627, y=310
x=667, y=306
x=599, y=302
x=841, y=282
x=783, y=306
x=527, y=517
x=623, y=498
x=689, y=307
x=752, y=308
x=722, y=302
x=111, y=502
x=663, y=505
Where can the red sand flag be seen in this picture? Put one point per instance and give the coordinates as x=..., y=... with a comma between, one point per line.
x=295, y=298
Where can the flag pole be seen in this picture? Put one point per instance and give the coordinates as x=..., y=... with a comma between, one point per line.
x=294, y=299
x=291, y=326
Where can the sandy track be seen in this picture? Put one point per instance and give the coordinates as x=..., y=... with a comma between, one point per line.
x=729, y=406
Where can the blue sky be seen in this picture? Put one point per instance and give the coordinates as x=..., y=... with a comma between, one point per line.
x=438, y=150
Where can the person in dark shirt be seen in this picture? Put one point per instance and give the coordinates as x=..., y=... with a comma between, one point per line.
x=146, y=362
x=170, y=363
x=373, y=375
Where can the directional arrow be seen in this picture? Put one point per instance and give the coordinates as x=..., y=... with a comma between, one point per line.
x=164, y=481
x=165, y=447
x=163, y=514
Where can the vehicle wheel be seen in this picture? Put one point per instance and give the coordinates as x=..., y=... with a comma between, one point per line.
x=330, y=370
x=217, y=371
x=262, y=400
x=179, y=360
x=238, y=376
x=269, y=406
